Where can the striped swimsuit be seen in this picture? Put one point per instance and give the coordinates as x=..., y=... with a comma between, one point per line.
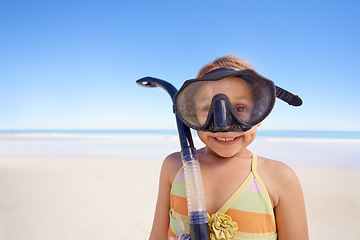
x=250, y=207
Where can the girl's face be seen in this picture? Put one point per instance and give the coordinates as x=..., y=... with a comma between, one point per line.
x=226, y=144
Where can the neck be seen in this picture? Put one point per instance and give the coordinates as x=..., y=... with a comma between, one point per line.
x=208, y=155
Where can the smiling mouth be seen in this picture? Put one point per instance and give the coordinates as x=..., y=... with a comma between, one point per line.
x=226, y=139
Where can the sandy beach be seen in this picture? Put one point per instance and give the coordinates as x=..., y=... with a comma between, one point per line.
x=91, y=196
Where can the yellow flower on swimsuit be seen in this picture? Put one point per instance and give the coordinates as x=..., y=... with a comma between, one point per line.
x=222, y=227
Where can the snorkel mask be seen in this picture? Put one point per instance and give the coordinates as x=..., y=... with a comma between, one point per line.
x=235, y=104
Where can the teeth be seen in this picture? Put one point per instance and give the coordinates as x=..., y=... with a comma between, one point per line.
x=225, y=139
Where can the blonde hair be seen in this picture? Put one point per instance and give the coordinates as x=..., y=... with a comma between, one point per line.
x=225, y=61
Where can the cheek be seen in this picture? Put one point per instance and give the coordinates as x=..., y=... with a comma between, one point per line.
x=202, y=136
x=251, y=134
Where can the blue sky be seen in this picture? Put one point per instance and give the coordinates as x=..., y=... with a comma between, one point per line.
x=73, y=64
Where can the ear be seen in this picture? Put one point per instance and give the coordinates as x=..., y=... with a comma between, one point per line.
x=259, y=124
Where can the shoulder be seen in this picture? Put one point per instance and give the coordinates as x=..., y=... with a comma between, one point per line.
x=278, y=178
x=171, y=166
x=275, y=168
x=287, y=198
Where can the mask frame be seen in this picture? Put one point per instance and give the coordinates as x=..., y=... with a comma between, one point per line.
x=230, y=122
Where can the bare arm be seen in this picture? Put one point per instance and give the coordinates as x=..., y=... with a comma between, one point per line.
x=161, y=221
x=290, y=210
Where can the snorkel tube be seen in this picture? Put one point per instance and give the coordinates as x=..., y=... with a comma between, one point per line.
x=197, y=214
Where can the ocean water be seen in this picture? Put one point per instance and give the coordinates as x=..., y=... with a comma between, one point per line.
x=173, y=132
x=292, y=147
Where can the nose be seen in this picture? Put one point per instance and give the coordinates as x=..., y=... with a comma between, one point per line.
x=220, y=116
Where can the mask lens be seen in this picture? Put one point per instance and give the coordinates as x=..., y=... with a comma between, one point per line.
x=186, y=105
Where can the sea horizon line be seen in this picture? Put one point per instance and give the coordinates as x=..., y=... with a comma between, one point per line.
x=333, y=134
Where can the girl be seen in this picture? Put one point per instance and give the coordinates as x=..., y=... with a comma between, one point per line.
x=247, y=196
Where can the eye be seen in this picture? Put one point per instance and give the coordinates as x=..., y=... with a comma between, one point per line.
x=241, y=109
x=206, y=109
x=202, y=109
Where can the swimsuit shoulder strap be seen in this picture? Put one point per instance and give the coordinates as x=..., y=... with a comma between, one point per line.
x=254, y=164
x=261, y=184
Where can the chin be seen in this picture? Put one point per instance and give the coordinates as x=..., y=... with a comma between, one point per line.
x=225, y=154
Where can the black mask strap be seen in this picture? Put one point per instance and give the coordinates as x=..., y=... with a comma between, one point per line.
x=288, y=97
